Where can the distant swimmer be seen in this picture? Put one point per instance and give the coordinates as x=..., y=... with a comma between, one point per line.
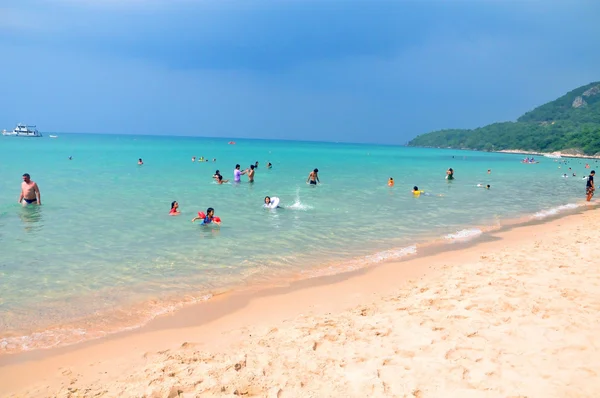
x=220, y=180
x=237, y=173
x=216, y=175
x=70, y=157
x=214, y=159
x=313, y=177
x=30, y=192
x=589, y=186
x=417, y=192
x=256, y=164
x=269, y=165
x=174, y=209
x=140, y=161
x=271, y=203
x=193, y=158
x=483, y=186
x=587, y=166
x=489, y=171
x=450, y=174
x=251, y=173
x=208, y=218
x=391, y=182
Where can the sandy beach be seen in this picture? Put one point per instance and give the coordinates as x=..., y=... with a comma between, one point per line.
x=514, y=315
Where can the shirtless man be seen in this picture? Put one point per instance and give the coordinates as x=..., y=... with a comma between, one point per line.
x=251, y=173
x=30, y=193
x=313, y=177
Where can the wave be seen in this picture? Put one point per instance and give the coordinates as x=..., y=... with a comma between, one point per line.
x=554, y=210
x=464, y=234
x=362, y=262
x=63, y=336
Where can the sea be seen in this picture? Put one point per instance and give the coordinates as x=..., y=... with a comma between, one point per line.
x=102, y=254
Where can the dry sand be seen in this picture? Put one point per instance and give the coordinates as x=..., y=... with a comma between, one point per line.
x=517, y=316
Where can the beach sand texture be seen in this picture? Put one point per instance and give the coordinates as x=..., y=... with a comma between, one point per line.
x=519, y=321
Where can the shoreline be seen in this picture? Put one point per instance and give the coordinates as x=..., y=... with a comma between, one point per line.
x=225, y=320
x=330, y=269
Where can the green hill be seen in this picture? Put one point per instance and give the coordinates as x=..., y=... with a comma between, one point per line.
x=569, y=124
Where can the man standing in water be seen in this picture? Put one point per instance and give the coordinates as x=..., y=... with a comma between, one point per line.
x=251, y=173
x=237, y=174
x=30, y=193
x=589, y=186
x=313, y=177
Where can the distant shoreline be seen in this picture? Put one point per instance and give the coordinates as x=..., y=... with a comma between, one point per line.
x=516, y=151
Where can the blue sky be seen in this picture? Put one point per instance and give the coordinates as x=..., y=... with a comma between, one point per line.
x=331, y=70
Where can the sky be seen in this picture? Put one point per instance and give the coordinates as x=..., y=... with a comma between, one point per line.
x=370, y=71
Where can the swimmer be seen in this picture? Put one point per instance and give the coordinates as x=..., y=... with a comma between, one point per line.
x=220, y=180
x=450, y=174
x=251, y=173
x=256, y=164
x=416, y=192
x=269, y=205
x=30, y=192
x=313, y=177
x=174, y=209
x=391, y=182
x=483, y=186
x=208, y=218
x=140, y=162
x=193, y=158
x=216, y=175
x=489, y=171
x=214, y=159
x=237, y=174
x=70, y=157
x=269, y=165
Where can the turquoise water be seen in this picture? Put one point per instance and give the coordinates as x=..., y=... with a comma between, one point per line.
x=102, y=254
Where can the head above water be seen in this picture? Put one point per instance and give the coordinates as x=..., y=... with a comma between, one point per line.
x=174, y=203
x=415, y=188
x=26, y=177
x=237, y=166
x=251, y=167
x=210, y=211
x=391, y=179
x=267, y=199
x=591, y=172
x=316, y=170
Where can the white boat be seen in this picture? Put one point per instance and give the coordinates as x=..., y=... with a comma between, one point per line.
x=53, y=136
x=553, y=156
x=23, y=130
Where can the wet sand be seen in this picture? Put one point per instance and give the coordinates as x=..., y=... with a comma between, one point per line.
x=514, y=315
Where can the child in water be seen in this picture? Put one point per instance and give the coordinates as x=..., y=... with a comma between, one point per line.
x=174, y=209
x=208, y=218
x=416, y=192
x=391, y=182
x=450, y=174
x=271, y=204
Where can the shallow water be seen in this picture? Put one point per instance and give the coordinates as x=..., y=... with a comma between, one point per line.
x=102, y=250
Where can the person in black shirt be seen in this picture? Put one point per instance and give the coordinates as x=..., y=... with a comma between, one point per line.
x=589, y=186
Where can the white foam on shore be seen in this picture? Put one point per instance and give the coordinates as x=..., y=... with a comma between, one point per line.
x=554, y=210
x=363, y=262
x=464, y=234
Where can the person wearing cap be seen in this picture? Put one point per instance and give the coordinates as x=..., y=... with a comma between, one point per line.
x=313, y=177
x=30, y=192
